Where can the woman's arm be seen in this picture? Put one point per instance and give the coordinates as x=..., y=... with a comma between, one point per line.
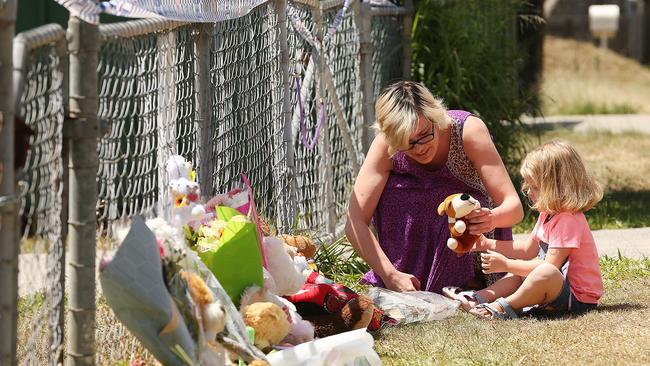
x=367, y=190
x=481, y=151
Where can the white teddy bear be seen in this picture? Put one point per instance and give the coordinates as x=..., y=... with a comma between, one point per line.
x=184, y=191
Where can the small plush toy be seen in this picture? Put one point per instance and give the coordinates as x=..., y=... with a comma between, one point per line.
x=457, y=206
x=332, y=308
x=301, y=330
x=288, y=279
x=269, y=321
x=303, y=245
x=213, y=317
x=184, y=192
x=355, y=314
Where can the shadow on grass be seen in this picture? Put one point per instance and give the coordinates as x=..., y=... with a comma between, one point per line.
x=620, y=209
x=601, y=308
x=620, y=307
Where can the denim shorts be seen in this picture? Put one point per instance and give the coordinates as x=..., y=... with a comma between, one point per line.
x=566, y=302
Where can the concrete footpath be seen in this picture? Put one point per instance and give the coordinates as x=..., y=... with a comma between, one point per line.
x=615, y=123
x=633, y=243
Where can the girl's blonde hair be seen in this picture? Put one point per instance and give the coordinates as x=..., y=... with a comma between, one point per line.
x=557, y=172
x=397, y=110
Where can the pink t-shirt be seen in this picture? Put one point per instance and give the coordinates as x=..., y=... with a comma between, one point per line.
x=569, y=230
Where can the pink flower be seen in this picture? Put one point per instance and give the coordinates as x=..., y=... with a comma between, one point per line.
x=161, y=248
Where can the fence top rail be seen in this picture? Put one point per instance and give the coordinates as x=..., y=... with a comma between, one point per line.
x=323, y=5
x=135, y=28
x=390, y=11
x=40, y=36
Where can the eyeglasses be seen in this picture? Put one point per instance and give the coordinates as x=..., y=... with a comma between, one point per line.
x=422, y=140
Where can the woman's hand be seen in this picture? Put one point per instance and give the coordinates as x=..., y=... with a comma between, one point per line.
x=401, y=282
x=493, y=262
x=481, y=244
x=480, y=221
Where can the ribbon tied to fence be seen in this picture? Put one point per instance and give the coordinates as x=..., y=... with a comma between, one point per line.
x=318, y=60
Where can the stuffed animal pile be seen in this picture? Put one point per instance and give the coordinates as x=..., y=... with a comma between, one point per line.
x=295, y=303
x=314, y=305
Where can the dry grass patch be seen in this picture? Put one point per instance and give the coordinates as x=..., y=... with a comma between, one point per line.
x=619, y=160
x=579, y=78
x=619, y=164
x=616, y=333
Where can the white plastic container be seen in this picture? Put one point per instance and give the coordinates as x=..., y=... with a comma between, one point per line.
x=344, y=349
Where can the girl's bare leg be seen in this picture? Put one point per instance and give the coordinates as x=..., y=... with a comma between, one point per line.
x=505, y=286
x=542, y=285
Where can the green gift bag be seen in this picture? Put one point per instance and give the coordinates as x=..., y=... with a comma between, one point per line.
x=237, y=260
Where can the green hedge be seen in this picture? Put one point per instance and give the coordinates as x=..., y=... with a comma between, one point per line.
x=466, y=51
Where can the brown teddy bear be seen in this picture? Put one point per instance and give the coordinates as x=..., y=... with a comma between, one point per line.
x=457, y=206
x=303, y=245
x=269, y=321
x=355, y=314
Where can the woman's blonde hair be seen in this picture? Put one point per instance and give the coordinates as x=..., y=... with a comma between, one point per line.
x=557, y=172
x=398, y=107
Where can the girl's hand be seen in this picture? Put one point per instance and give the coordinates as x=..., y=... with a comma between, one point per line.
x=401, y=282
x=480, y=221
x=493, y=262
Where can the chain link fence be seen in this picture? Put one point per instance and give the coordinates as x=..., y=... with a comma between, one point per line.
x=40, y=67
x=242, y=95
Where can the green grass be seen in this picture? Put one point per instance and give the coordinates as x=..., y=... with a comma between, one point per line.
x=338, y=262
x=615, y=333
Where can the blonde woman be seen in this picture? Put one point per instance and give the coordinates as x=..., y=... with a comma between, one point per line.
x=422, y=153
x=565, y=275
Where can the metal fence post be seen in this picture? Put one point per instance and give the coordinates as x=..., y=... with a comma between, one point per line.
x=84, y=46
x=326, y=171
x=8, y=194
x=363, y=18
x=290, y=199
x=62, y=52
x=204, y=108
x=406, y=34
x=167, y=127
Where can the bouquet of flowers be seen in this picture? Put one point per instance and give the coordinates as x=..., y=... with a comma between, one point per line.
x=221, y=231
x=167, y=294
x=162, y=292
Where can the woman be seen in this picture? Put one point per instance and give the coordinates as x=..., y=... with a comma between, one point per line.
x=422, y=153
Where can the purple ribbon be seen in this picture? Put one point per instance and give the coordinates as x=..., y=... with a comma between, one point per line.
x=309, y=143
x=300, y=27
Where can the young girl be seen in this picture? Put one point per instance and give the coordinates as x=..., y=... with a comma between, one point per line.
x=565, y=274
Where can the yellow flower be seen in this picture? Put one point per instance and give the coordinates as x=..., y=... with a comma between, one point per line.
x=180, y=201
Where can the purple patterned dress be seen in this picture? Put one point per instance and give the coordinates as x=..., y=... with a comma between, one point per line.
x=408, y=227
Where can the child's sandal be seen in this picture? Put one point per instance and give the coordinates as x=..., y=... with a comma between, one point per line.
x=464, y=297
x=507, y=313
